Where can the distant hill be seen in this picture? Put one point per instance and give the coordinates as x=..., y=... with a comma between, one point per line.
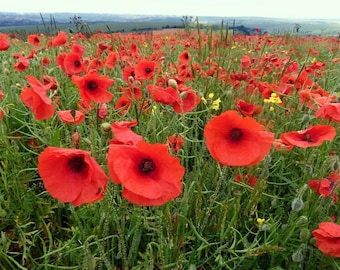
x=10, y=21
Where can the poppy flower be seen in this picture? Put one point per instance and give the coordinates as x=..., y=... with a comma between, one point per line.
x=34, y=39
x=237, y=141
x=22, y=64
x=312, y=136
x=249, y=179
x=327, y=237
x=151, y=176
x=327, y=186
x=72, y=117
x=175, y=142
x=329, y=111
x=123, y=104
x=184, y=57
x=163, y=95
x=4, y=43
x=35, y=97
x=188, y=100
x=123, y=134
x=71, y=175
x=111, y=59
x=248, y=109
x=145, y=70
x=129, y=74
x=93, y=87
x=73, y=63
x=60, y=39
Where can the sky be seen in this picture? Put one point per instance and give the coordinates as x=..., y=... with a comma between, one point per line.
x=325, y=9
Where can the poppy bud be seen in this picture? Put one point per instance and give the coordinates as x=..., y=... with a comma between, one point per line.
x=102, y=111
x=106, y=126
x=304, y=235
x=172, y=83
x=297, y=204
x=297, y=256
x=76, y=139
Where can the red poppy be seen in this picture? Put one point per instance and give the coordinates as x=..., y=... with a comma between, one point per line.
x=175, y=142
x=246, y=61
x=326, y=187
x=145, y=70
x=4, y=43
x=93, y=87
x=329, y=111
x=163, y=95
x=249, y=179
x=73, y=63
x=36, y=99
x=111, y=59
x=327, y=237
x=151, y=176
x=60, y=60
x=71, y=175
x=312, y=136
x=22, y=64
x=129, y=74
x=237, y=141
x=60, y=39
x=248, y=109
x=123, y=134
x=33, y=39
x=123, y=104
x=184, y=57
x=188, y=100
x=72, y=117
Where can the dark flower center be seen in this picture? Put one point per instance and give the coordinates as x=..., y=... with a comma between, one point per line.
x=147, y=165
x=235, y=134
x=148, y=70
x=92, y=85
x=76, y=164
x=308, y=138
x=77, y=63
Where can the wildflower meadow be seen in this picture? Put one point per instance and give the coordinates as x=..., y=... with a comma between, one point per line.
x=187, y=149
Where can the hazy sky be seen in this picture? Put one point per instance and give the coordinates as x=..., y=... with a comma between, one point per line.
x=227, y=8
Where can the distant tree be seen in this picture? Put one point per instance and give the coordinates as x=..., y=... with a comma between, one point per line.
x=297, y=27
x=80, y=25
x=187, y=21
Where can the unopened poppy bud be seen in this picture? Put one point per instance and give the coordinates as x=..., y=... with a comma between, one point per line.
x=76, y=139
x=297, y=204
x=87, y=141
x=304, y=235
x=335, y=164
x=6, y=71
x=131, y=79
x=102, y=111
x=297, y=256
x=302, y=220
x=172, y=83
x=106, y=127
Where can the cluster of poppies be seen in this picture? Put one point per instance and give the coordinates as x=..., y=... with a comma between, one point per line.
x=150, y=174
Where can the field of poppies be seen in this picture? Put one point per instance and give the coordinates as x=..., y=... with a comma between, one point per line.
x=170, y=150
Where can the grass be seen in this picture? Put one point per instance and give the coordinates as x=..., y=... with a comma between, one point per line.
x=216, y=223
